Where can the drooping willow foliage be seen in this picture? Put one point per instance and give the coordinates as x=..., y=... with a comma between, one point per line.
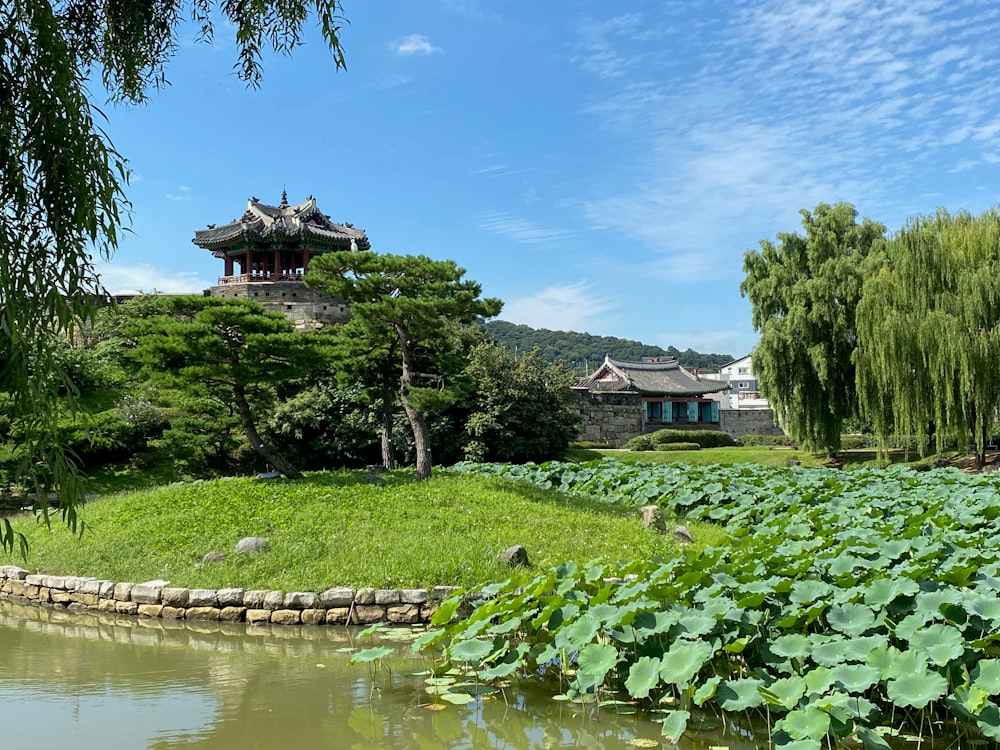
x=929, y=330
x=804, y=292
x=62, y=182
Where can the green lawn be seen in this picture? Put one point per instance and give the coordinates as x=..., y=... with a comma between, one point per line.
x=335, y=529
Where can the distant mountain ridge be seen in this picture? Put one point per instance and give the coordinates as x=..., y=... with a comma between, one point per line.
x=584, y=352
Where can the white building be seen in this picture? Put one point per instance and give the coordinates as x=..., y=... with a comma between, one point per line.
x=742, y=393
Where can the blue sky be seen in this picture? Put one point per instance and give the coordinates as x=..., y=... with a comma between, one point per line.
x=600, y=167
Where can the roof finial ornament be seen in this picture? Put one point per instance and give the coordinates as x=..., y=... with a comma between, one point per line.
x=284, y=199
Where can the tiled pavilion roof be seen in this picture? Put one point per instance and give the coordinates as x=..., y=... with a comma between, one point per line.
x=658, y=378
x=264, y=225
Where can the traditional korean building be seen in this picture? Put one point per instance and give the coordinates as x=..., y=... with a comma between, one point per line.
x=267, y=250
x=623, y=399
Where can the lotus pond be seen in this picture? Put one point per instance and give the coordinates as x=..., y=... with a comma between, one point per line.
x=847, y=608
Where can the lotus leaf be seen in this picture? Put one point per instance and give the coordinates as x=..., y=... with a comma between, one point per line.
x=971, y=698
x=830, y=653
x=916, y=689
x=674, y=725
x=941, y=643
x=683, y=661
x=805, y=723
x=986, y=676
x=694, y=624
x=791, y=646
x=857, y=649
x=872, y=740
x=806, y=744
x=370, y=654
x=740, y=694
x=988, y=721
x=986, y=607
x=818, y=680
x=882, y=591
x=851, y=619
x=458, y=699
x=578, y=634
x=706, y=691
x=597, y=659
x=473, y=649
x=643, y=675
x=785, y=692
x=855, y=678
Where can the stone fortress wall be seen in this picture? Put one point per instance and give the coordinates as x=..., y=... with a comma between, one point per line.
x=303, y=305
x=157, y=599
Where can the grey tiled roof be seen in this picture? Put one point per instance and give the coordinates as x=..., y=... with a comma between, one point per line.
x=262, y=224
x=666, y=378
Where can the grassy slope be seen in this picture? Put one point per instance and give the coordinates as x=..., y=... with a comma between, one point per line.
x=335, y=529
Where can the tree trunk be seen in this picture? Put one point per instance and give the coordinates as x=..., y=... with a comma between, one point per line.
x=273, y=458
x=421, y=434
x=388, y=457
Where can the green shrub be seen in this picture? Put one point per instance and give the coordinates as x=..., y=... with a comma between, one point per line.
x=704, y=438
x=588, y=444
x=854, y=442
x=749, y=441
x=640, y=443
x=679, y=446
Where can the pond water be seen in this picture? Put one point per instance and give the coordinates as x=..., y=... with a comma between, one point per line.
x=87, y=681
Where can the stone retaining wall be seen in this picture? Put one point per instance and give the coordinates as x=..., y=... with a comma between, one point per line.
x=335, y=606
x=612, y=418
x=739, y=422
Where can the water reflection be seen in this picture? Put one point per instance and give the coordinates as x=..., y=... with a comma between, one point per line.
x=92, y=680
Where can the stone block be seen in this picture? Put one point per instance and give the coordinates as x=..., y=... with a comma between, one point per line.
x=403, y=613
x=337, y=615
x=107, y=605
x=123, y=592
x=231, y=597
x=89, y=600
x=232, y=614
x=387, y=596
x=427, y=611
x=95, y=586
x=255, y=616
x=172, y=613
x=44, y=595
x=274, y=600
x=55, y=582
x=77, y=607
x=286, y=616
x=443, y=592
x=340, y=596
x=149, y=610
x=174, y=596
x=203, y=613
x=203, y=598
x=413, y=596
x=254, y=599
x=30, y=591
x=300, y=600
x=368, y=614
x=125, y=608
x=34, y=579
x=364, y=596
x=15, y=573
x=313, y=616
x=148, y=593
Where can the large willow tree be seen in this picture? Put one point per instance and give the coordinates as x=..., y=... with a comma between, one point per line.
x=804, y=291
x=62, y=182
x=929, y=331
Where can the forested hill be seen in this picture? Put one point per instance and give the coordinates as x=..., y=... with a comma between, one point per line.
x=584, y=352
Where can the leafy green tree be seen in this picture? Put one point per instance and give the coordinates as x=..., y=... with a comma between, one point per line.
x=231, y=350
x=62, y=182
x=520, y=407
x=420, y=301
x=929, y=330
x=326, y=425
x=804, y=291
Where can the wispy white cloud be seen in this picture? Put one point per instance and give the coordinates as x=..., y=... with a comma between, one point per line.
x=521, y=230
x=147, y=278
x=415, y=44
x=182, y=193
x=567, y=307
x=781, y=105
